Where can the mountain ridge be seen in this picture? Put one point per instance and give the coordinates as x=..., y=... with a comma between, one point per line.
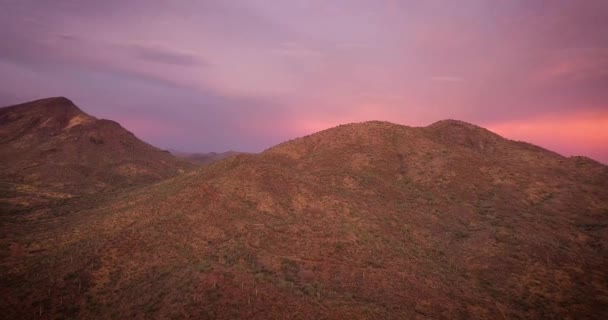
x=370, y=220
x=52, y=148
x=366, y=220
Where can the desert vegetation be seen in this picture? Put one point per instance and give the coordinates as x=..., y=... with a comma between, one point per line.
x=367, y=220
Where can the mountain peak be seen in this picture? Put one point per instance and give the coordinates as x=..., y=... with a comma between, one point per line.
x=457, y=132
x=55, y=113
x=71, y=148
x=48, y=105
x=453, y=123
x=60, y=100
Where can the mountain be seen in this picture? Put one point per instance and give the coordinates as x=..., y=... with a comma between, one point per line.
x=368, y=220
x=51, y=150
x=205, y=158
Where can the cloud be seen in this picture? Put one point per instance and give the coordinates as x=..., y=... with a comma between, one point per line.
x=67, y=37
x=296, y=50
x=574, y=65
x=447, y=79
x=164, y=54
x=70, y=53
x=248, y=74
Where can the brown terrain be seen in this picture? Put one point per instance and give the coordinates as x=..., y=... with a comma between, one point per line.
x=51, y=151
x=363, y=221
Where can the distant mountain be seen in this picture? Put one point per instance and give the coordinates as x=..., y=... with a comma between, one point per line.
x=50, y=150
x=363, y=221
x=204, y=158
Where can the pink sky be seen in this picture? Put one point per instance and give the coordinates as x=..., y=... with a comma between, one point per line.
x=244, y=75
x=570, y=134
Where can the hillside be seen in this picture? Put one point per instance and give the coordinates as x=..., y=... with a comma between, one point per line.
x=365, y=221
x=51, y=150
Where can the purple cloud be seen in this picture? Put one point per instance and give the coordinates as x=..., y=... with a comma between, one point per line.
x=251, y=73
x=163, y=54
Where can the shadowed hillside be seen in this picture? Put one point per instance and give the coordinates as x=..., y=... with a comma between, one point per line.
x=371, y=220
x=51, y=150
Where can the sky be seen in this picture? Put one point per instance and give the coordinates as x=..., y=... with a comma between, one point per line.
x=201, y=75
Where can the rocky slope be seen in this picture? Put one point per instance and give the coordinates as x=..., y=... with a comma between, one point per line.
x=52, y=150
x=371, y=220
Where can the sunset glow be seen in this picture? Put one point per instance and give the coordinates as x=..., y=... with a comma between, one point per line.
x=569, y=134
x=245, y=75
